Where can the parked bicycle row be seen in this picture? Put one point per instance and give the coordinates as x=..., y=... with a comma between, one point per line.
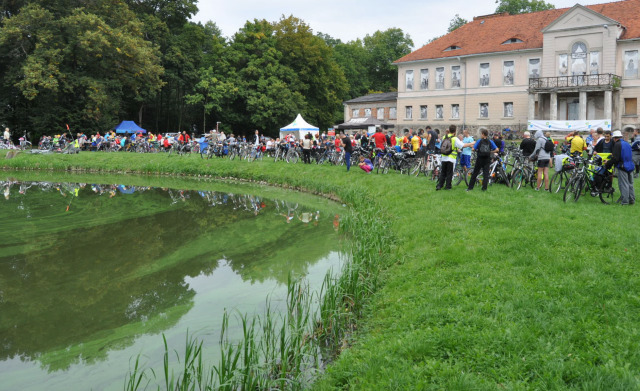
x=413, y=154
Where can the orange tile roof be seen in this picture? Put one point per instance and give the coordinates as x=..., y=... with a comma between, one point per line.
x=485, y=34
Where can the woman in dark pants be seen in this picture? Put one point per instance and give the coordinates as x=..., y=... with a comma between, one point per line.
x=484, y=148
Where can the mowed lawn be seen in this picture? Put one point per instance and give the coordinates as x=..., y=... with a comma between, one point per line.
x=490, y=290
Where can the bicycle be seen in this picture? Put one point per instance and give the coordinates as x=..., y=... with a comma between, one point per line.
x=584, y=178
x=560, y=179
x=25, y=144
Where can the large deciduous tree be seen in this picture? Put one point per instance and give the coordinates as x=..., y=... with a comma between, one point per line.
x=74, y=66
x=383, y=48
x=320, y=79
x=514, y=7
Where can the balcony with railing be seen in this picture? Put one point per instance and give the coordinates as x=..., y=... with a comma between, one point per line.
x=595, y=82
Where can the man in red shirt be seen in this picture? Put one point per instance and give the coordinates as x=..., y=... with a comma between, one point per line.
x=184, y=137
x=338, y=143
x=380, y=139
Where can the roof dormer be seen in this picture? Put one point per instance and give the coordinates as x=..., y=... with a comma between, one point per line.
x=452, y=47
x=512, y=40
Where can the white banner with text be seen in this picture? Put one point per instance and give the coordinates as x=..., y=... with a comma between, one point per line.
x=568, y=126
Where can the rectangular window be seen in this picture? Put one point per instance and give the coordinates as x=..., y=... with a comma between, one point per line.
x=367, y=112
x=534, y=68
x=393, y=113
x=354, y=113
x=594, y=63
x=484, y=74
x=455, y=76
x=455, y=111
x=631, y=64
x=423, y=112
x=439, y=112
x=508, y=109
x=409, y=80
x=424, y=79
x=380, y=112
x=507, y=72
x=484, y=110
x=408, y=112
x=563, y=65
x=440, y=78
x=630, y=106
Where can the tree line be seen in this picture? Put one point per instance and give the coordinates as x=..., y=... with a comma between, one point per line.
x=90, y=64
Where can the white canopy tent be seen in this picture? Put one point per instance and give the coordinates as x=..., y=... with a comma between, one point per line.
x=299, y=127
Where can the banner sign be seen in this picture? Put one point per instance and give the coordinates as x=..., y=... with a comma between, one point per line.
x=568, y=126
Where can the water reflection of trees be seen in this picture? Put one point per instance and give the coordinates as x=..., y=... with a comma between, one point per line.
x=110, y=264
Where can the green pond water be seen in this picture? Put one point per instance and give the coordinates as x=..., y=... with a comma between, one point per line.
x=93, y=271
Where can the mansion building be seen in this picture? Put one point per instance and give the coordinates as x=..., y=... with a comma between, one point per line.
x=502, y=70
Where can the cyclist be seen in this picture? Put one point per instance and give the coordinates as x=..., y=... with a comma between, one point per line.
x=622, y=159
x=544, y=158
x=606, y=145
x=379, y=139
x=184, y=138
x=635, y=150
x=415, y=142
x=497, y=140
x=465, y=156
x=484, y=147
x=432, y=137
x=578, y=145
x=528, y=145
x=449, y=146
x=7, y=135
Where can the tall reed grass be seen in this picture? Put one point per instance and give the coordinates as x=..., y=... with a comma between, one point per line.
x=286, y=348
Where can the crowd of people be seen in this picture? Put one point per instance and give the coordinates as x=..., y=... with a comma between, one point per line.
x=453, y=147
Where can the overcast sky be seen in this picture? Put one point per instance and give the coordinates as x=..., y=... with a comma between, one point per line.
x=351, y=19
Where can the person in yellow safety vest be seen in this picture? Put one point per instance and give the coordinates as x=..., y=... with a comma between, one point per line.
x=449, y=149
x=578, y=145
x=415, y=142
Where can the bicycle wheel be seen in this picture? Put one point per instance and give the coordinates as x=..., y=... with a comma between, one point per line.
x=458, y=176
x=568, y=190
x=416, y=168
x=381, y=163
x=404, y=167
x=503, y=176
x=517, y=178
x=293, y=157
x=555, y=183
x=607, y=193
x=577, y=190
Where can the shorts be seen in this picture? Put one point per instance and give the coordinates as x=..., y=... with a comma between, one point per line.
x=544, y=163
x=465, y=161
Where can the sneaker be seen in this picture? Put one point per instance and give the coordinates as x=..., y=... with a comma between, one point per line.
x=468, y=190
x=594, y=193
x=438, y=188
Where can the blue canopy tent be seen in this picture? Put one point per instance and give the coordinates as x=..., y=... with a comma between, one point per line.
x=129, y=127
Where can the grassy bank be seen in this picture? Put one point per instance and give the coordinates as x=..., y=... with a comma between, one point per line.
x=495, y=290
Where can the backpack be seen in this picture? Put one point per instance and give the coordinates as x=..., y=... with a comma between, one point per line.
x=446, y=147
x=484, y=149
x=549, y=146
